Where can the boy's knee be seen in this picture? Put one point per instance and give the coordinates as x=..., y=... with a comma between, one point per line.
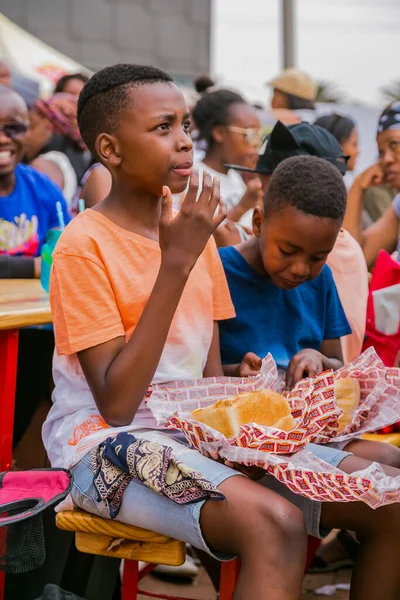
x=287, y=520
x=283, y=520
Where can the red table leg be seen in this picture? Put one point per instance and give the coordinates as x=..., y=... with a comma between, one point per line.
x=8, y=380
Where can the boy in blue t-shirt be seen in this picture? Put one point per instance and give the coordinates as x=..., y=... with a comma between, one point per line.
x=28, y=202
x=284, y=295
x=28, y=199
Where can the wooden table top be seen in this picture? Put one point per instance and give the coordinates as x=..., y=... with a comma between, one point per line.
x=23, y=303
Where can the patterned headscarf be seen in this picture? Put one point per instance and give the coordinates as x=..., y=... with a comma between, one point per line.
x=390, y=118
x=61, y=111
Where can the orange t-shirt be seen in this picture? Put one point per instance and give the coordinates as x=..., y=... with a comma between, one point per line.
x=102, y=277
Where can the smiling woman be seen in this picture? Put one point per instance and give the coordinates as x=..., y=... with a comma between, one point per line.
x=384, y=233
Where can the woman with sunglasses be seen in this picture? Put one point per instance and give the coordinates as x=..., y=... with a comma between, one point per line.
x=232, y=132
x=384, y=233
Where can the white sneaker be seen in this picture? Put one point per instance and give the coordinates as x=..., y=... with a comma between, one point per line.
x=189, y=569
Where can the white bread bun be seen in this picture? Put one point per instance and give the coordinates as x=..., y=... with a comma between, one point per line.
x=264, y=407
x=347, y=391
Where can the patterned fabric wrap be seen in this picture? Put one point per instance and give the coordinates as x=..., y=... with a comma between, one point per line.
x=61, y=111
x=390, y=118
x=118, y=460
x=284, y=454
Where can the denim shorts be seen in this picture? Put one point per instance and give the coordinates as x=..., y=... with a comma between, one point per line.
x=145, y=508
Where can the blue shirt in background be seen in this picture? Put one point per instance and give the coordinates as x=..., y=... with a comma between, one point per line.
x=271, y=319
x=29, y=212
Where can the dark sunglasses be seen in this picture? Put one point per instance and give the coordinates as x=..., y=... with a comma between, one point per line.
x=14, y=130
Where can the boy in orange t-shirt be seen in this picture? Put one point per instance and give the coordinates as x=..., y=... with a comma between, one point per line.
x=136, y=295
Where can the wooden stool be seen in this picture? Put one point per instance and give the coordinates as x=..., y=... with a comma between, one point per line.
x=95, y=535
x=389, y=438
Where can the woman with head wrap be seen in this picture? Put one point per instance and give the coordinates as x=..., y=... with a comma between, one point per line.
x=54, y=145
x=384, y=233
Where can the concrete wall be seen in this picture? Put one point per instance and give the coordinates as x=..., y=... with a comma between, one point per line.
x=171, y=34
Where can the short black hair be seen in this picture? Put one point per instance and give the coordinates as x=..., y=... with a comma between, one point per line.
x=106, y=94
x=213, y=109
x=339, y=126
x=61, y=83
x=310, y=184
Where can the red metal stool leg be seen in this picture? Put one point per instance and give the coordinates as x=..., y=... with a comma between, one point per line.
x=130, y=580
x=8, y=380
x=229, y=576
x=313, y=545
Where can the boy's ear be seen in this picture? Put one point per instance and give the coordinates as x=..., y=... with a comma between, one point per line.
x=258, y=220
x=107, y=149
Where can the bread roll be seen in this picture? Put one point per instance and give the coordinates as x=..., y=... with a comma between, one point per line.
x=264, y=408
x=347, y=391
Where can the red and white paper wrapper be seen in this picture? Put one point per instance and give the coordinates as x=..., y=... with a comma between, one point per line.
x=283, y=454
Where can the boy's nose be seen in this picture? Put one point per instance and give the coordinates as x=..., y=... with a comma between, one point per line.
x=184, y=142
x=300, y=269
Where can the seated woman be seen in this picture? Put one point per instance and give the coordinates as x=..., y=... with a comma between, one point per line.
x=231, y=129
x=384, y=233
x=54, y=145
x=71, y=84
x=345, y=131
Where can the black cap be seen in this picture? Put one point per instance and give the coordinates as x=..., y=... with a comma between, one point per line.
x=295, y=140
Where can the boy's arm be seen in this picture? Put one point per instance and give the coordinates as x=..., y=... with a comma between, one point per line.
x=213, y=367
x=332, y=353
x=120, y=373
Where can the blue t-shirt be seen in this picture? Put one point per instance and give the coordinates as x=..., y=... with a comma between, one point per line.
x=29, y=212
x=271, y=319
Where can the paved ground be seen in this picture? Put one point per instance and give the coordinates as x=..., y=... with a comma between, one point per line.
x=202, y=589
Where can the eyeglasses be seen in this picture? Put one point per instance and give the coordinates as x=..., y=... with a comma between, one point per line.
x=252, y=136
x=14, y=130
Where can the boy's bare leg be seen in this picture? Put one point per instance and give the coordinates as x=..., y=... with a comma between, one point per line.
x=380, y=452
x=267, y=533
x=376, y=571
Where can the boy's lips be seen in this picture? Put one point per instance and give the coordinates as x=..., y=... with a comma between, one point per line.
x=184, y=169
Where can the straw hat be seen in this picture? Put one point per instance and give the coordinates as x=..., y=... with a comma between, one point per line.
x=295, y=82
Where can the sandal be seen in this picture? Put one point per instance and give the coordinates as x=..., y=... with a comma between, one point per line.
x=350, y=547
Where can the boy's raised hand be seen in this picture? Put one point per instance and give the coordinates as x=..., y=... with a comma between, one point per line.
x=183, y=238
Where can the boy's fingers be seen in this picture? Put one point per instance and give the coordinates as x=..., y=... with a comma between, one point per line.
x=193, y=189
x=221, y=214
x=206, y=187
x=215, y=195
x=166, y=207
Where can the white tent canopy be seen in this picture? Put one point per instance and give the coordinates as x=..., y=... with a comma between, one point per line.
x=32, y=58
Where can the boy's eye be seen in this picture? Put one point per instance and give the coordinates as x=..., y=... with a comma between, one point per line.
x=319, y=258
x=186, y=126
x=163, y=126
x=285, y=253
